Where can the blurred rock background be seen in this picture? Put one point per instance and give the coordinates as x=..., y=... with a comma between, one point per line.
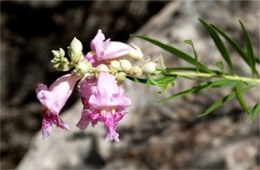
x=169, y=135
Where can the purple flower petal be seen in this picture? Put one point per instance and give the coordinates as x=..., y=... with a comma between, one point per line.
x=111, y=127
x=47, y=121
x=116, y=49
x=88, y=116
x=57, y=95
x=102, y=49
x=86, y=89
x=108, y=94
x=46, y=127
x=98, y=45
x=94, y=117
x=53, y=100
x=84, y=121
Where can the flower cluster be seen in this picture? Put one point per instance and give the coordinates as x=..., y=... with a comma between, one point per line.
x=99, y=74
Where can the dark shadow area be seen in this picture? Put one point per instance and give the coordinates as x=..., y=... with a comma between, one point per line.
x=94, y=159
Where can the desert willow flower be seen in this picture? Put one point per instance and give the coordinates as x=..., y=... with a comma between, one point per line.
x=53, y=99
x=102, y=98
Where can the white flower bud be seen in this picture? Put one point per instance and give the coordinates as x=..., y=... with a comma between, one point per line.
x=149, y=67
x=102, y=68
x=135, y=71
x=121, y=76
x=115, y=64
x=83, y=67
x=75, y=50
x=136, y=53
x=76, y=46
x=125, y=65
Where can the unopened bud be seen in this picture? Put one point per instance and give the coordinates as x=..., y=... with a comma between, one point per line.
x=121, y=76
x=76, y=46
x=125, y=65
x=60, y=62
x=83, y=67
x=58, y=54
x=135, y=71
x=149, y=67
x=102, y=68
x=136, y=52
x=75, y=58
x=115, y=64
x=75, y=50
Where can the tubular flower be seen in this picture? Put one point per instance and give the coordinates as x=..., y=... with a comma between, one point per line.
x=105, y=104
x=86, y=89
x=100, y=72
x=102, y=49
x=53, y=99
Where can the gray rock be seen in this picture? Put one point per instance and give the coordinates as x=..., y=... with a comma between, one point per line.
x=66, y=149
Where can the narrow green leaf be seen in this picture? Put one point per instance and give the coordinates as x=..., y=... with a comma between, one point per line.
x=250, y=52
x=255, y=111
x=220, y=45
x=220, y=65
x=164, y=88
x=161, y=82
x=169, y=69
x=165, y=80
x=189, y=42
x=174, y=51
x=240, y=98
x=218, y=103
x=246, y=83
x=237, y=48
x=257, y=60
x=234, y=44
x=201, y=87
x=180, y=68
x=139, y=80
x=153, y=82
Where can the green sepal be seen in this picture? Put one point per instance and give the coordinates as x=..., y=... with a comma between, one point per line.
x=60, y=62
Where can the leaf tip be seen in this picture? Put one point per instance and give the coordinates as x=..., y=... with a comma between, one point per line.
x=201, y=115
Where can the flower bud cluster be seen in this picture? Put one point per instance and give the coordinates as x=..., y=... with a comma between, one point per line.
x=99, y=74
x=120, y=67
x=60, y=62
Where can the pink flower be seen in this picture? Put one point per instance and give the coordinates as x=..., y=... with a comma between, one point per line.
x=106, y=103
x=102, y=49
x=53, y=100
x=86, y=89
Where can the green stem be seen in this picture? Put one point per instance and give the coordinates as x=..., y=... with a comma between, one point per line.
x=212, y=75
